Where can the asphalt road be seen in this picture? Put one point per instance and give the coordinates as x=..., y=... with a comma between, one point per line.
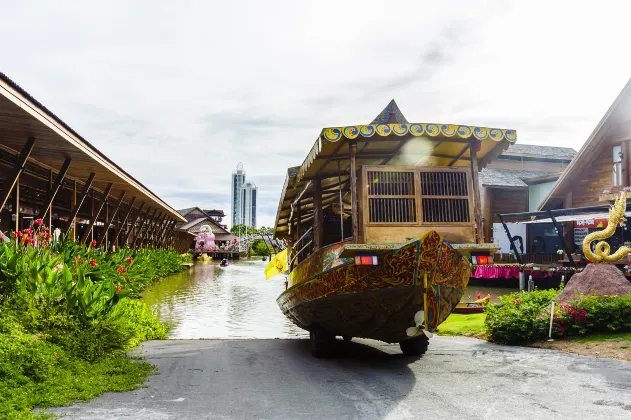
x=278, y=379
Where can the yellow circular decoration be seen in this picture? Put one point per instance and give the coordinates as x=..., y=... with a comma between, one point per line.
x=481, y=133
x=417, y=130
x=432, y=129
x=367, y=130
x=332, y=134
x=511, y=135
x=496, y=134
x=383, y=129
x=464, y=131
x=399, y=129
x=351, y=132
x=448, y=129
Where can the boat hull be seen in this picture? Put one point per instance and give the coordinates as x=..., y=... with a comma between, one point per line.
x=377, y=302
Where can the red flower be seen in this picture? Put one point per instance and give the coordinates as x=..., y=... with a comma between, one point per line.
x=38, y=222
x=93, y=263
x=129, y=260
x=1, y=235
x=561, y=329
x=28, y=231
x=25, y=240
x=574, y=313
x=118, y=289
x=516, y=301
x=17, y=234
x=93, y=243
x=120, y=269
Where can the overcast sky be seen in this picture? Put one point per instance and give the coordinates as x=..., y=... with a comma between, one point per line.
x=177, y=93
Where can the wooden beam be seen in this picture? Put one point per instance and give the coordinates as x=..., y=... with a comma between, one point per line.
x=156, y=230
x=139, y=234
x=167, y=232
x=55, y=189
x=78, y=204
x=318, y=226
x=354, y=203
x=17, y=171
x=462, y=152
x=94, y=218
x=118, y=232
x=135, y=220
x=16, y=210
x=162, y=232
x=107, y=222
x=476, y=193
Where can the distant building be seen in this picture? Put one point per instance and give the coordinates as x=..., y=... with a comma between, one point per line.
x=243, y=199
x=196, y=218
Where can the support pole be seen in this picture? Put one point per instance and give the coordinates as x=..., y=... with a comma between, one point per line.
x=139, y=233
x=510, y=240
x=78, y=204
x=339, y=180
x=132, y=225
x=16, y=210
x=94, y=218
x=151, y=234
x=122, y=224
x=55, y=189
x=160, y=230
x=479, y=236
x=107, y=222
x=150, y=227
x=565, y=248
x=318, y=227
x=353, y=174
x=17, y=171
x=167, y=233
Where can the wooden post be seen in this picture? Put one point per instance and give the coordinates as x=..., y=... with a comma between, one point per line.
x=139, y=233
x=132, y=226
x=108, y=219
x=118, y=232
x=55, y=189
x=16, y=210
x=72, y=225
x=354, y=204
x=14, y=178
x=96, y=215
x=487, y=212
x=50, y=190
x=479, y=236
x=77, y=204
x=162, y=232
x=318, y=226
x=156, y=230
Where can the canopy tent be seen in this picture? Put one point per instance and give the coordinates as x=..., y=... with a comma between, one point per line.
x=388, y=140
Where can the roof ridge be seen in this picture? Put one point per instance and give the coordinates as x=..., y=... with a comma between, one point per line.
x=391, y=114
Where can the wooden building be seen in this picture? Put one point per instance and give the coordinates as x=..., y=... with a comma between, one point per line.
x=519, y=179
x=195, y=219
x=48, y=171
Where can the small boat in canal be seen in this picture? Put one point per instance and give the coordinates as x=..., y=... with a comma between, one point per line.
x=477, y=307
x=223, y=263
x=379, y=219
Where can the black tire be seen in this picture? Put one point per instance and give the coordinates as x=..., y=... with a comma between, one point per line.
x=415, y=347
x=322, y=343
x=347, y=337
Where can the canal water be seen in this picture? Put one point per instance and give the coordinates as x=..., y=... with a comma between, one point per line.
x=208, y=301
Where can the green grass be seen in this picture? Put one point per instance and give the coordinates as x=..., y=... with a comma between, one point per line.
x=625, y=336
x=460, y=324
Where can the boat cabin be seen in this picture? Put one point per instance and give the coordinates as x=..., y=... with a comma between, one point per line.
x=386, y=183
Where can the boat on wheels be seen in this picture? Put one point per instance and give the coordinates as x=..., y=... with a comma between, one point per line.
x=380, y=220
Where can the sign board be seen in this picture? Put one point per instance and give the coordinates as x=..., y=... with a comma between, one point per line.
x=590, y=223
x=579, y=235
x=517, y=231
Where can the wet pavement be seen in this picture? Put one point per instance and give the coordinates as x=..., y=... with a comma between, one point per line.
x=278, y=379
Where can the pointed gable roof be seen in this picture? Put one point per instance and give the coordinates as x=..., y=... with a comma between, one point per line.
x=620, y=107
x=391, y=114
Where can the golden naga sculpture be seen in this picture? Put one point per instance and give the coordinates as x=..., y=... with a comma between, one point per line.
x=616, y=217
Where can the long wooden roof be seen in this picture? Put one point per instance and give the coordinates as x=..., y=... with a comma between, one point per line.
x=21, y=117
x=388, y=140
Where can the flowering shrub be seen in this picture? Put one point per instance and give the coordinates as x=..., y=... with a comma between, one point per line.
x=522, y=317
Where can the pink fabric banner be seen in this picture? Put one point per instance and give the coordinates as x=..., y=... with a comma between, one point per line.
x=495, y=272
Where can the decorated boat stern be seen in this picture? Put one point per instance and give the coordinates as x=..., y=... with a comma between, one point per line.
x=335, y=291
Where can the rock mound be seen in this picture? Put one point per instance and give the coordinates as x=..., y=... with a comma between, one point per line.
x=596, y=280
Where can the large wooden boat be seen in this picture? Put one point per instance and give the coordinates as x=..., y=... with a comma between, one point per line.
x=370, y=216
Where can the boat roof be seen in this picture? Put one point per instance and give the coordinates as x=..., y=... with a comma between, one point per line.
x=388, y=140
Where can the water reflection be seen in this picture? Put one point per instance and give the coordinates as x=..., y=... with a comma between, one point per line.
x=208, y=301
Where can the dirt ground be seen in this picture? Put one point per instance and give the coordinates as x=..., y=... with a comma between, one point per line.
x=619, y=349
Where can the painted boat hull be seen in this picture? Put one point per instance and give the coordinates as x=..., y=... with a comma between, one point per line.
x=376, y=302
x=469, y=309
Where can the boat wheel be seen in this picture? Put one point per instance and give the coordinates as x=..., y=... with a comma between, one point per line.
x=322, y=343
x=416, y=346
x=347, y=337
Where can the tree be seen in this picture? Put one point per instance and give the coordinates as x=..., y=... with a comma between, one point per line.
x=243, y=230
x=264, y=230
x=259, y=247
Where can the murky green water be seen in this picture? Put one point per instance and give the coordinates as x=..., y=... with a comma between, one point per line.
x=207, y=301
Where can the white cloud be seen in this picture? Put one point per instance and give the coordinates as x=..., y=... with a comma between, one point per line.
x=178, y=93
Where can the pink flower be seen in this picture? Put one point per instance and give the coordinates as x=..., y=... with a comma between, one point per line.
x=516, y=301
x=17, y=234
x=561, y=329
x=574, y=313
x=38, y=222
x=28, y=231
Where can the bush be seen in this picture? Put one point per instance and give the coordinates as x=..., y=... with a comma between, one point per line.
x=524, y=317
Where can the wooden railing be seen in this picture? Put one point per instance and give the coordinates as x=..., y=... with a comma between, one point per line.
x=302, y=248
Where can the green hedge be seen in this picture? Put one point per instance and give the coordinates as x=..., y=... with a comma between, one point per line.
x=525, y=317
x=67, y=318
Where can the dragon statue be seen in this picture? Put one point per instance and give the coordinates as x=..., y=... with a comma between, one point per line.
x=616, y=217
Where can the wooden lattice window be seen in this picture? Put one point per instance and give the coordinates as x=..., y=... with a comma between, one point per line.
x=445, y=197
x=391, y=197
